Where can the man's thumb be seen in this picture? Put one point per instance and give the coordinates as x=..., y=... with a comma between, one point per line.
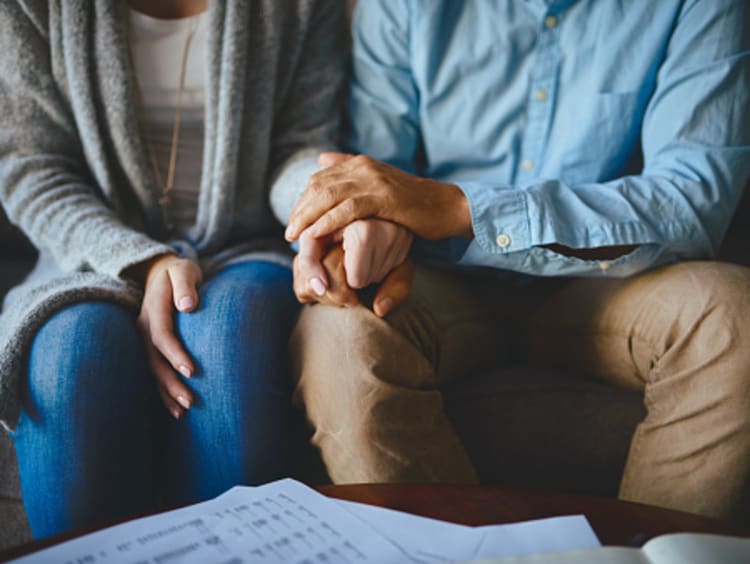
x=394, y=288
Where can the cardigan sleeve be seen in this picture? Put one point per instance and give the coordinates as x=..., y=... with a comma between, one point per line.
x=45, y=185
x=308, y=121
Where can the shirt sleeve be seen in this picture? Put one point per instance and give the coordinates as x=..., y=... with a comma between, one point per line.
x=696, y=148
x=694, y=136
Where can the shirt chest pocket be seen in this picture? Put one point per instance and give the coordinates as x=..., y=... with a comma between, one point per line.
x=600, y=135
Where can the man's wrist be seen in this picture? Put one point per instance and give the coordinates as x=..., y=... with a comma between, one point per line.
x=455, y=211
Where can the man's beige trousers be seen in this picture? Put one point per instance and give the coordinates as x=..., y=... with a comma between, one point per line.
x=681, y=334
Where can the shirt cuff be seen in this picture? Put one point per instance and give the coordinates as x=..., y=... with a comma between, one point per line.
x=499, y=217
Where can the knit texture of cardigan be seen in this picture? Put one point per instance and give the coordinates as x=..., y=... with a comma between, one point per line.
x=74, y=174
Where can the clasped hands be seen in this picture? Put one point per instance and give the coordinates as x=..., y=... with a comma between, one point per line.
x=355, y=224
x=330, y=268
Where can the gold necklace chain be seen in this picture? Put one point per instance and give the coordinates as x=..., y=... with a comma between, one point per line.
x=166, y=187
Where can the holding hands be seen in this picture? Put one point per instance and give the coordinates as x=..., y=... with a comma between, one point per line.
x=331, y=265
x=355, y=222
x=330, y=269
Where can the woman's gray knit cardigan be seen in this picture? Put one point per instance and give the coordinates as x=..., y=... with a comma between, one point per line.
x=75, y=176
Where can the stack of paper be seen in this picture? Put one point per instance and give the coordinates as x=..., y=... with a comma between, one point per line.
x=286, y=521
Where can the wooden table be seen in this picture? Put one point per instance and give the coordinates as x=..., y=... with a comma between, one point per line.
x=615, y=522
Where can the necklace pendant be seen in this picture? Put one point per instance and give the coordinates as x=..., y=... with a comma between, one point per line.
x=164, y=200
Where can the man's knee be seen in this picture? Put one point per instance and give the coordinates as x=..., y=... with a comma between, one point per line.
x=443, y=328
x=349, y=346
x=711, y=305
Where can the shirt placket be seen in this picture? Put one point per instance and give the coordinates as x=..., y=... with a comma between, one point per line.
x=541, y=97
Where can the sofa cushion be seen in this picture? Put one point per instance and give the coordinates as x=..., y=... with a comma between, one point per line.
x=9, y=485
x=734, y=248
x=12, y=272
x=12, y=241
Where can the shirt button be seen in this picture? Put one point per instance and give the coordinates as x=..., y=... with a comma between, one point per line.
x=528, y=165
x=550, y=22
x=604, y=265
x=503, y=240
x=541, y=95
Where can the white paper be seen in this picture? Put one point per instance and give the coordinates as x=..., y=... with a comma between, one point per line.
x=430, y=540
x=286, y=521
x=555, y=534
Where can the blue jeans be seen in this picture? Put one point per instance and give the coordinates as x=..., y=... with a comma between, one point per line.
x=94, y=442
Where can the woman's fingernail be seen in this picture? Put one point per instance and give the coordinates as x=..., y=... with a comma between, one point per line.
x=176, y=413
x=183, y=401
x=186, y=302
x=185, y=371
x=317, y=285
x=290, y=229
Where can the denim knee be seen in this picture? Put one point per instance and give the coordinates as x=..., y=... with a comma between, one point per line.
x=245, y=313
x=77, y=354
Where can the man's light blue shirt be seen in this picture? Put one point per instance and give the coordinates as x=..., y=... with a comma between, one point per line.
x=585, y=123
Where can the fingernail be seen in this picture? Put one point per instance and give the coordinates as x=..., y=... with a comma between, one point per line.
x=175, y=413
x=290, y=229
x=185, y=371
x=317, y=285
x=385, y=305
x=183, y=401
x=185, y=303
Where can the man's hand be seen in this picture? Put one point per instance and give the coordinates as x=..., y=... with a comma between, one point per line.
x=171, y=283
x=360, y=187
x=372, y=249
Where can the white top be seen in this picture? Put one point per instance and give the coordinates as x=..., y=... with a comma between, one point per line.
x=157, y=47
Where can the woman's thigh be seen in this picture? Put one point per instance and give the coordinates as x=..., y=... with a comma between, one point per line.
x=237, y=430
x=85, y=437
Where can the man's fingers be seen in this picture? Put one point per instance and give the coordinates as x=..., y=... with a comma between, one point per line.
x=359, y=253
x=174, y=393
x=319, y=196
x=329, y=159
x=394, y=289
x=185, y=277
x=343, y=214
x=339, y=293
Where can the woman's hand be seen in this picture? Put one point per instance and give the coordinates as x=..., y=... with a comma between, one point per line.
x=171, y=283
x=353, y=188
x=393, y=290
x=331, y=287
